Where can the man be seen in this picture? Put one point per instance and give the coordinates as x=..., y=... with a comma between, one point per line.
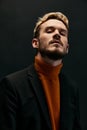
x=41, y=97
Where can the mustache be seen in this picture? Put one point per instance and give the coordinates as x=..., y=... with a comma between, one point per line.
x=56, y=41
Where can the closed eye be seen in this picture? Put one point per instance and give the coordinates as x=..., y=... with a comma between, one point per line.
x=63, y=32
x=50, y=29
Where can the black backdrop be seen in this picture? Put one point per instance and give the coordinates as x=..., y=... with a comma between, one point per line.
x=17, y=19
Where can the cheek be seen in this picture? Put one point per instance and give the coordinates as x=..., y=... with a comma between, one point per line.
x=65, y=40
x=45, y=37
x=44, y=41
x=65, y=43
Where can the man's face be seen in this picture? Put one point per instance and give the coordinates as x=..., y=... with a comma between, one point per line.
x=53, y=39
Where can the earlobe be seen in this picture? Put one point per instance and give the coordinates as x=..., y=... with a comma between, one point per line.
x=67, y=49
x=35, y=43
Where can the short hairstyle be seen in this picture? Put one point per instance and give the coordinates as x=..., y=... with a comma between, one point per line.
x=52, y=15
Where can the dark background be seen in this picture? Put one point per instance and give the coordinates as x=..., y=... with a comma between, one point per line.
x=17, y=20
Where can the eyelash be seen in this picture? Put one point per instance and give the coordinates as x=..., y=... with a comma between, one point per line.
x=62, y=33
x=50, y=31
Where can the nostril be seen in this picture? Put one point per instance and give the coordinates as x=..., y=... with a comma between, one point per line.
x=57, y=36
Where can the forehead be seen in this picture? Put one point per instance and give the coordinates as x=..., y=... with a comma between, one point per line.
x=53, y=23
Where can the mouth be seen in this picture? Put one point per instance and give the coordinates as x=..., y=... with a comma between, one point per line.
x=56, y=42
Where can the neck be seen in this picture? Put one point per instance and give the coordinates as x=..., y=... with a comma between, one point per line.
x=49, y=61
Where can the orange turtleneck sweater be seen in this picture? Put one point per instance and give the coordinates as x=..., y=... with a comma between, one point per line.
x=50, y=82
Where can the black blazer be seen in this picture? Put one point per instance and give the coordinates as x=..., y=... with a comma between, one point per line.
x=23, y=104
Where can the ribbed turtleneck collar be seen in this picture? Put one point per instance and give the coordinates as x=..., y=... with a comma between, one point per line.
x=46, y=69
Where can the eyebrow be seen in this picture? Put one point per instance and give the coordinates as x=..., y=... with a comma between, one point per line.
x=64, y=30
x=50, y=27
x=55, y=27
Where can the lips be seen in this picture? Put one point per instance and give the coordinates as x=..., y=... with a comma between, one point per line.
x=56, y=42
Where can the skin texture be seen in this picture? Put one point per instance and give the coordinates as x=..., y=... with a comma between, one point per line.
x=52, y=43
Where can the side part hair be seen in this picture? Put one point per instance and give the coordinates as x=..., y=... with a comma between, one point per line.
x=52, y=15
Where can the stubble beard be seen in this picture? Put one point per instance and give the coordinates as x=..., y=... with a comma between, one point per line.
x=53, y=55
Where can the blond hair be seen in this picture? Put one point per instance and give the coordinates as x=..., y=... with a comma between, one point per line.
x=52, y=15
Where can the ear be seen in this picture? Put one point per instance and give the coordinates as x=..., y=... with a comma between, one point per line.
x=67, y=49
x=35, y=43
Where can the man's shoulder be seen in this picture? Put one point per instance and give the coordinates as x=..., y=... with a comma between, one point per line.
x=20, y=74
x=17, y=82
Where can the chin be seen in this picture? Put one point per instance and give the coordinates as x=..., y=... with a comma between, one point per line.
x=55, y=55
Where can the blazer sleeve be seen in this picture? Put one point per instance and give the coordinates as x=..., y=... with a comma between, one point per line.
x=8, y=106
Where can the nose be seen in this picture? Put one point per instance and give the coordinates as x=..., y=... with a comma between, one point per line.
x=56, y=35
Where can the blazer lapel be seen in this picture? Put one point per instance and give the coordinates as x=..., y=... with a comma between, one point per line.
x=66, y=105
x=62, y=115
x=36, y=85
